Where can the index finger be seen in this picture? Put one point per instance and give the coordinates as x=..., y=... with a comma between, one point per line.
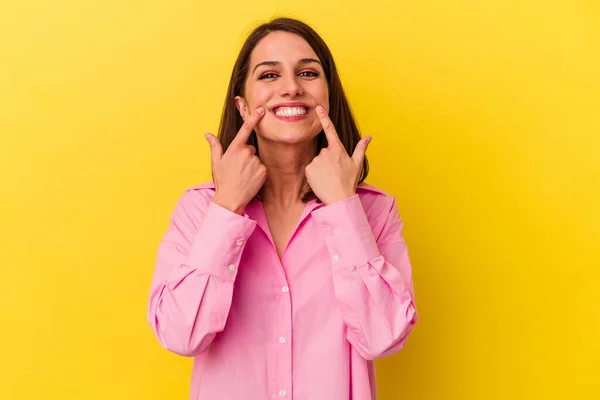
x=330, y=133
x=248, y=126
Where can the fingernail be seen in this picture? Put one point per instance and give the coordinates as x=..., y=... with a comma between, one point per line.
x=369, y=138
x=320, y=109
x=260, y=110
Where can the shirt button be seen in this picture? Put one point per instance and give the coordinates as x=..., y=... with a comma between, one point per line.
x=239, y=242
x=232, y=267
x=285, y=289
x=282, y=340
x=282, y=393
x=328, y=231
x=336, y=257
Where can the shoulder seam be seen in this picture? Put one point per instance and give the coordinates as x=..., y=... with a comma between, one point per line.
x=368, y=188
x=206, y=185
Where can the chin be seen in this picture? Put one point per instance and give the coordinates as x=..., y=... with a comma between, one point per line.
x=290, y=136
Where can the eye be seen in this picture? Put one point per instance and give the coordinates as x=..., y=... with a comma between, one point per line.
x=269, y=75
x=310, y=74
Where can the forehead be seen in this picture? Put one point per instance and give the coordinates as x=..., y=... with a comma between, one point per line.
x=282, y=47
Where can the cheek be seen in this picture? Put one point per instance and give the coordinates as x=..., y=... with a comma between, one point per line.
x=321, y=93
x=258, y=97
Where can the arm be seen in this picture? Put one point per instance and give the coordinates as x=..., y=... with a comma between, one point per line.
x=196, y=266
x=372, y=278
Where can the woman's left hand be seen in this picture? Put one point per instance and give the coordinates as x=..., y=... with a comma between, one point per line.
x=333, y=174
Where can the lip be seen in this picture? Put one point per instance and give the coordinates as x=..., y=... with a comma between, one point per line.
x=291, y=104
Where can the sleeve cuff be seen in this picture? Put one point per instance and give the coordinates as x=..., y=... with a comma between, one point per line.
x=347, y=233
x=219, y=242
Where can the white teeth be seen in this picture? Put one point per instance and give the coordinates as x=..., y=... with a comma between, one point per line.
x=290, y=111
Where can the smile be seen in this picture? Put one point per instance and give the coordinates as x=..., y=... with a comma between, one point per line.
x=291, y=111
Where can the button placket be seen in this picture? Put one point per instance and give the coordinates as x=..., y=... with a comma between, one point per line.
x=284, y=336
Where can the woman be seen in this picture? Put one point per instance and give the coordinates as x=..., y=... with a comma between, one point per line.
x=286, y=276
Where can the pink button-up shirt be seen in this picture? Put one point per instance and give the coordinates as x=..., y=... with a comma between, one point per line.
x=305, y=327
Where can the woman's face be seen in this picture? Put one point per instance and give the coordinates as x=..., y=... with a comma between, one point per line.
x=286, y=78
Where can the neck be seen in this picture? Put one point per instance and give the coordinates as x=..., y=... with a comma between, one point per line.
x=286, y=181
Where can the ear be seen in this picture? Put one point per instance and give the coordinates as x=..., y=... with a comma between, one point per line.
x=242, y=107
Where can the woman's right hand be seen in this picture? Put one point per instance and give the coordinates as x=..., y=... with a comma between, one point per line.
x=238, y=174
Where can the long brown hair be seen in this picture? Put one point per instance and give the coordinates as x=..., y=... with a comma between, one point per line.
x=339, y=109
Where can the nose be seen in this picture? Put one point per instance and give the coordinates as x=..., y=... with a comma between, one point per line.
x=290, y=86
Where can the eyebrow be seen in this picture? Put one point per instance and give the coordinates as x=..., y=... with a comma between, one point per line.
x=303, y=61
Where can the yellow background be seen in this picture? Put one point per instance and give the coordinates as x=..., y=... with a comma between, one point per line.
x=486, y=126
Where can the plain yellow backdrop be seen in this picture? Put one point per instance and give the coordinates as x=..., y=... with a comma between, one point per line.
x=485, y=117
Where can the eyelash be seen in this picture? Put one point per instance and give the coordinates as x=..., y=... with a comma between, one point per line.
x=272, y=75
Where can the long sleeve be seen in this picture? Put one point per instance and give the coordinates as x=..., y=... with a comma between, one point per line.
x=372, y=277
x=196, y=266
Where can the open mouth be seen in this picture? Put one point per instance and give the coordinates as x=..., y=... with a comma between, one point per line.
x=290, y=112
